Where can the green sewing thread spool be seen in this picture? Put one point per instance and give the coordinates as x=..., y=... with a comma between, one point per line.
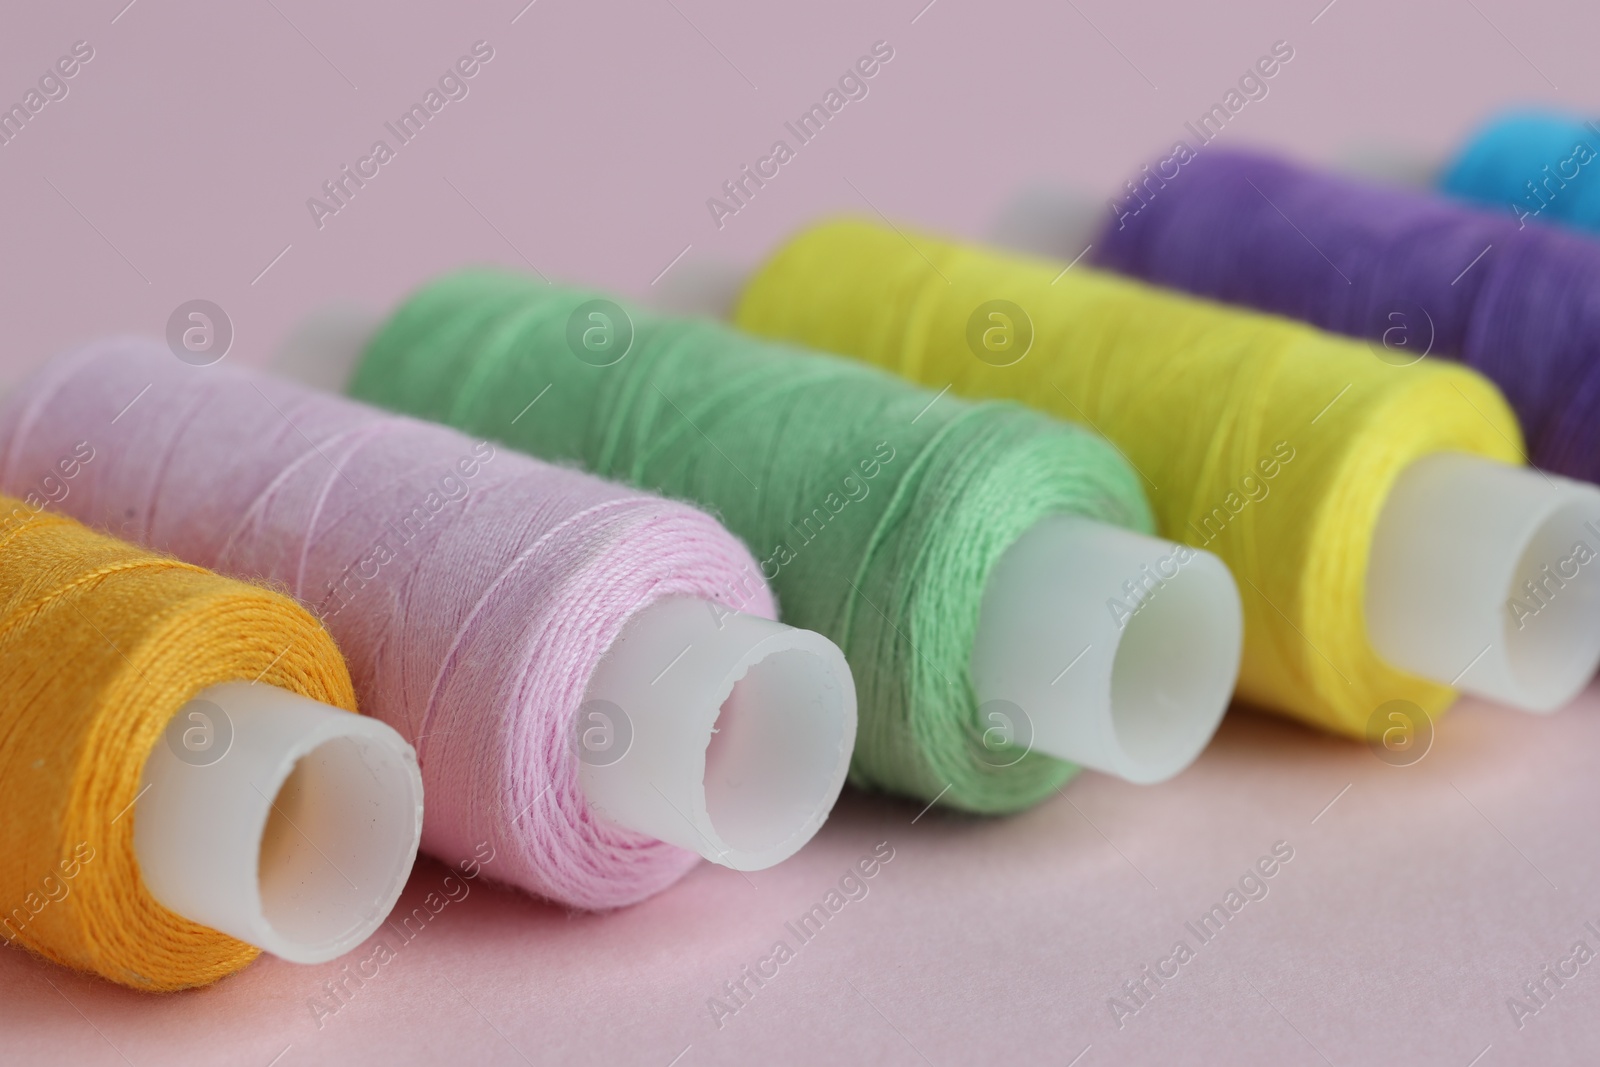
x=887, y=517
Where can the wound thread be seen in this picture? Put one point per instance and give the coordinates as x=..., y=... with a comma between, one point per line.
x=101, y=644
x=877, y=509
x=473, y=591
x=1537, y=165
x=1418, y=274
x=1263, y=441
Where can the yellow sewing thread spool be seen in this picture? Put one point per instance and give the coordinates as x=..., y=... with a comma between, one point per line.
x=1264, y=441
x=101, y=643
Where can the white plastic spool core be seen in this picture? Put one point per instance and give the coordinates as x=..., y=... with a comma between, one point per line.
x=706, y=287
x=1119, y=650
x=286, y=823
x=722, y=733
x=736, y=751
x=324, y=348
x=1460, y=542
x=1057, y=221
x=1389, y=164
x=1456, y=539
x=1142, y=703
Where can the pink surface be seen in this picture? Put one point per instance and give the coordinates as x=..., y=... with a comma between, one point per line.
x=178, y=167
x=1413, y=907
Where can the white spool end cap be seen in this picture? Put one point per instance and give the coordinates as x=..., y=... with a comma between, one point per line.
x=723, y=733
x=1106, y=648
x=1389, y=164
x=706, y=287
x=286, y=823
x=1484, y=576
x=1051, y=220
x=323, y=350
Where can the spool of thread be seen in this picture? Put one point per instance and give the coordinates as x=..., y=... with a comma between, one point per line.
x=128, y=842
x=1533, y=165
x=942, y=544
x=509, y=618
x=1373, y=568
x=1417, y=274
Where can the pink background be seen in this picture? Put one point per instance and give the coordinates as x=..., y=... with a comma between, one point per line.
x=178, y=167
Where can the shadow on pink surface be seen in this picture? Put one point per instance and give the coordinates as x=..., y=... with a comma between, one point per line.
x=1328, y=904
